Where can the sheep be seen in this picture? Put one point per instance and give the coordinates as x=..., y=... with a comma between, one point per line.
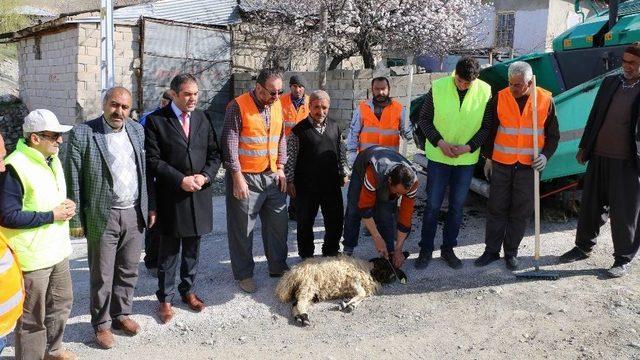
x=319, y=279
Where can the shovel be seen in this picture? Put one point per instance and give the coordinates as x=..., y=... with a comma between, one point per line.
x=536, y=273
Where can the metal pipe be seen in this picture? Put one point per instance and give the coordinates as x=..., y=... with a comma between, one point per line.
x=107, y=66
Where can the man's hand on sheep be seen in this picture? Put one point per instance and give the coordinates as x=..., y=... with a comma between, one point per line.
x=380, y=246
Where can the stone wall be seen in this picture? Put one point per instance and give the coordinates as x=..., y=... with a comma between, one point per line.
x=348, y=87
x=47, y=72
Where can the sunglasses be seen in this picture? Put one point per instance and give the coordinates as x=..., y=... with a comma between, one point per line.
x=50, y=136
x=273, y=93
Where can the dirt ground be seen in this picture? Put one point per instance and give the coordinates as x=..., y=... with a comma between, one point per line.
x=470, y=313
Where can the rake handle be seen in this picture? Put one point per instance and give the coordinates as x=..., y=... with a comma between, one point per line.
x=536, y=173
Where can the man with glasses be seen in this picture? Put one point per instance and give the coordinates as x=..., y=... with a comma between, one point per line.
x=254, y=148
x=34, y=222
x=510, y=164
x=105, y=168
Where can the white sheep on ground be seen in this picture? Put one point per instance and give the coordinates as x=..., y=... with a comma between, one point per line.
x=319, y=279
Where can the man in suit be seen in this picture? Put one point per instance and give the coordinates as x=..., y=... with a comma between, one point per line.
x=183, y=157
x=610, y=143
x=105, y=171
x=255, y=152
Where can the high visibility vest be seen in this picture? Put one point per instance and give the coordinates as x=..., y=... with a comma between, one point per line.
x=290, y=115
x=258, y=146
x=11, y=290
x=514, y=140
x=457, y=123
x=384, y=132
x=44, y=188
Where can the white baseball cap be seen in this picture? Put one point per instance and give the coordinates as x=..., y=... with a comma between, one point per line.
x=43, y=120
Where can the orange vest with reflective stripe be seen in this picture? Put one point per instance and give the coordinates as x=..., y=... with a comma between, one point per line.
x=384, y=132
x=290, y=115
x=258, y=146
x=514, y=140
x=11, y=290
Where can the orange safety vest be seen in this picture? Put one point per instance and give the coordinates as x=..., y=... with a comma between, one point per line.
x=290, y=115
x=384, y=132
x=514, y=140
x=11, y=290
x=258, y=146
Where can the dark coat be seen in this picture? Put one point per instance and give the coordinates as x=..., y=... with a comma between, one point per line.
x=89, y=179
x=171, y=157
x=598, y=113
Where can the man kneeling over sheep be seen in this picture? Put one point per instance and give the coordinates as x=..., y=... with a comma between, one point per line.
x=379, y=178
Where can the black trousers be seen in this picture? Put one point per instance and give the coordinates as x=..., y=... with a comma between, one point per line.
x=510, y=206
x=611, y=190
x=307, y=203
x=168, y=255
x=151, y=245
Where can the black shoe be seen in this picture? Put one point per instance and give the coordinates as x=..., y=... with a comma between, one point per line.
x=423, y=259
x=512, y=262
x=620, y=268
x=279, y=274
x=292, y=216
x=486, y=258
x=572, y=255
x=451, y=259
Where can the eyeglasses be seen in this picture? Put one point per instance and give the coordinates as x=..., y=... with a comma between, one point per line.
x=50, y=136
x=273, y=93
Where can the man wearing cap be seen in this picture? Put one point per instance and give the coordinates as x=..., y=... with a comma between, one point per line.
x=379, y=121
x=105, y=169
x=34, y=215
x=295, y=108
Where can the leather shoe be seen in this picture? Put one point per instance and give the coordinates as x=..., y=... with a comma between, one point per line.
x=486, y=258
x=194, y=302
x=451, y=259
x=575, y=254
x=247, y=285
x=104, y=338
x=423, y=259
x=165, y=312
x=63, y=355
x=126, y=324
x=512, y=262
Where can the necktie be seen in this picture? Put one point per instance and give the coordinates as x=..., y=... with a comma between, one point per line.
x=185, y=124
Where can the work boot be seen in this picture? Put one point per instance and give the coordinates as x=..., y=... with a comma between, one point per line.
x=450, y=258
x=424, y=257
x=575, y=254
x=486, y=258
x=247, y=285
x=620, y=268
x=512, y=262
x=126, y=324
x=104, y=338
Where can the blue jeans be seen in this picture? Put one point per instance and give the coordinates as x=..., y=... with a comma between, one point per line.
x=3, y=343
x=439, y=176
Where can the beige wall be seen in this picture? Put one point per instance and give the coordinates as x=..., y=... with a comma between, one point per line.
x=348, y=87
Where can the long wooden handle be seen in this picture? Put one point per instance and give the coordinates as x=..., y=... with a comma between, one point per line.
x=536, y=173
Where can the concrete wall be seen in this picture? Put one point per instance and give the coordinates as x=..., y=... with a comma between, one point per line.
x=348, y=87
x=47, y=72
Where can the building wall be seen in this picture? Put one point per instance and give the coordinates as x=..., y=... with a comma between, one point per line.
x=47, y=72
x=348, y=87
x=127, y=64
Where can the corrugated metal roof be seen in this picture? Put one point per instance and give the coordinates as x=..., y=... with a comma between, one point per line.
x=206, y=12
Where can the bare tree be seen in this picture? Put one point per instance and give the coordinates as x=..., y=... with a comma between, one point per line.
x=360, y=27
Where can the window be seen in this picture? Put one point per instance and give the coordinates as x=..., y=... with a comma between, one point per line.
x=505, y=24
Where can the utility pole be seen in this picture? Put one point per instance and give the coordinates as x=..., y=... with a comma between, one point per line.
x=322, y=58
x=107, y=67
